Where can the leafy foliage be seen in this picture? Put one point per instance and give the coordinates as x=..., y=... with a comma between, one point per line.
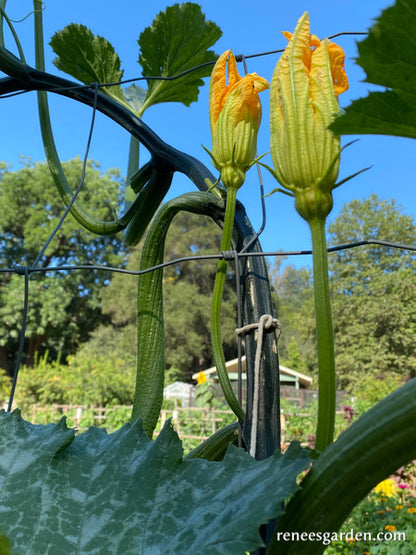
x=388, y=56
x=98, y=492
x=300, y=423
x=370, y=390
x=168, y=48
x=374, y=293
x=102, y=381
x=177, y=51
x=373, y=298
x=294, y=300
x=88, y=58
x=65, y=306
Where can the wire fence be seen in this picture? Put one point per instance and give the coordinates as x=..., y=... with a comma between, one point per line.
x=27, y=270
x=195, y=424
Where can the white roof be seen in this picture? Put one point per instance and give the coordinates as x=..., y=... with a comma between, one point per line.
x=232, y=366
x=178, y=387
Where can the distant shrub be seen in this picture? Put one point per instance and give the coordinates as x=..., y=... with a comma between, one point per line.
x=100, y=381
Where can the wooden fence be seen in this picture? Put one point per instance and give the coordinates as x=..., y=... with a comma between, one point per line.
x=193, y=424
x=206, y=421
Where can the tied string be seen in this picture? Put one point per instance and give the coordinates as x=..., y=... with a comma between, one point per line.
x=265, y=323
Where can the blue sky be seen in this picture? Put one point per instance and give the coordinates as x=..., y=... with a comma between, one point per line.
x=248, y=27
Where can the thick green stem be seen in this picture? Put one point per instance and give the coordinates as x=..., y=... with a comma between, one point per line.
x=216, y=307
x=325, y=337
x=86, y=219
x=139, y=210
x=148, y=396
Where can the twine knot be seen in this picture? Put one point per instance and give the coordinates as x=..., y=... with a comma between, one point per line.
x=266, y=322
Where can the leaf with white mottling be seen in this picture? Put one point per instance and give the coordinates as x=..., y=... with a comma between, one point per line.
x=98, y=493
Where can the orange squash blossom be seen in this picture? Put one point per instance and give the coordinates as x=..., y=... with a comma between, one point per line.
x=235, y=116
x=306, y=83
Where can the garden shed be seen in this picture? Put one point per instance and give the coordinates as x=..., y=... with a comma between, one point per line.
x=288, y=377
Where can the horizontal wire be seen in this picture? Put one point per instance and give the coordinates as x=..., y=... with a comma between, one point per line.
x=238, y=57
x=21, y=270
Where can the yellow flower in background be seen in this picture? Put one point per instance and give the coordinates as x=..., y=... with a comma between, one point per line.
x=201, y=378
x=304, y=91
x=390, y=527
x=235, y=116
x=386, y=487
x=412, y=510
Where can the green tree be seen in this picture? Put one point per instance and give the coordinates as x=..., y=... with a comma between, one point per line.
x=187, y=301
x=373, y=290
x=294, y=360
x=64, y=306
x=374, y=293
x=294, y=300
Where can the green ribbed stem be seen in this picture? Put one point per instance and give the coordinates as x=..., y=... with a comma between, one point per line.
x=150, y=377
x=325, y=336
x=216, y=307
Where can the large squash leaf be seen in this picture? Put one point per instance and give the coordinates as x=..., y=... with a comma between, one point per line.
x=98, y=493
x=88, y=58
x=388, y=56
x=177, y=41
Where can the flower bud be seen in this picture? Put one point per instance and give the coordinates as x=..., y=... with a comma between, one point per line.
x=304, y=91
x=235, y=116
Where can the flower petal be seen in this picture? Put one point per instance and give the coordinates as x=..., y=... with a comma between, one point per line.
x=339, y=77
x=233, y=75
x=325, y=106
x=217, y=88
x=289, y=98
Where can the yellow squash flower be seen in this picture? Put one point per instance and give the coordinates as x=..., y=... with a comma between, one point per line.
x=304, y=91
x=201, y=378
x=235, y=116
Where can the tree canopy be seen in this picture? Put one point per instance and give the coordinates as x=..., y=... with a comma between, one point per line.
x=293, y=291
x=64, y=306
x=373, y=294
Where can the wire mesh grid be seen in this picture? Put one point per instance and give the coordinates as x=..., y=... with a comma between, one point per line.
x=27, y=270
